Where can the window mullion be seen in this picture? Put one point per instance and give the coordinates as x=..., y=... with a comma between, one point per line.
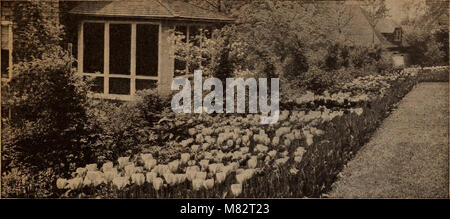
x=80, y=48
x=133, y=60
x=106, y=60
x=188, y=35
x=10, y=42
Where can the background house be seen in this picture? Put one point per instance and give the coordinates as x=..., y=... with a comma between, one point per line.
x=354, y=25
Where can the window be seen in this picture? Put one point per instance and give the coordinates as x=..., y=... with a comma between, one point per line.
x=147, y=38
x=122, y=57
x=398, y=34
x=120, y=49
x=6, y=50
x=93, y=47
x=191, y=32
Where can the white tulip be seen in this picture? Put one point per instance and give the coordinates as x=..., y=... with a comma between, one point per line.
x=236, y=189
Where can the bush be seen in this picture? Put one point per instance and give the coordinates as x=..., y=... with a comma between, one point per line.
x=47, y=100
x=426, y=48
x=122, y=128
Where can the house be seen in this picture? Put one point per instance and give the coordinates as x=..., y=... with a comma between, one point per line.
x=123, y=44
x=354, y=26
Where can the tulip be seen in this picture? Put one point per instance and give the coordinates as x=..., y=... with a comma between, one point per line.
x=244, y=149
x=261, y=148
x=150, y=164
x=200, y=175
x=230, y=143
x=170, y=178
x=92, y=175
x=192, y=163
x=75, y=183
x=245, y=140
x=193, y=168
x=190, y=175
x=185, y=158
x=130, y=169
x=120, y=182
x=208, y=184
x=123, y=161
x=180, y=178
x=110, y=175
x=287, y=142
x=163, y=169
x=197, y=184
x=138, y=179
x=150, y=176
x=81, y=172
x=91, y=167
x=236, y=189
x=173, y=166
x=107, y=166
x=204, y=164
x=281, y=161
x=212, y=168
x=275, y=141
x=61, y=183
x=157, y=183
x=252, y=163
x=309, y=140
x=195, y=148
x=220, y=177
x=272, y=153
x=87, y=182
x=146, y=157
x=98, y=181
x=241, y=178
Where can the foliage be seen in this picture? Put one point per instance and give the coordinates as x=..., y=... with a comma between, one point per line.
x=121, y=128
x=208, y=51
x=427, y=42
x=25, y=183
x=36, y=27
x=47, y=101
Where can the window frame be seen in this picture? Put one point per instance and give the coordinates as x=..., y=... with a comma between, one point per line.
x=9, y=25
x=106, y=59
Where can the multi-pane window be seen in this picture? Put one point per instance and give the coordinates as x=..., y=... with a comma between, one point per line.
x=6, y=50
x=121, y=56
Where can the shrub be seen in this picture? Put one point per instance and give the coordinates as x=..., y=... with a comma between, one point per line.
x=47, y=101
x=122, y=128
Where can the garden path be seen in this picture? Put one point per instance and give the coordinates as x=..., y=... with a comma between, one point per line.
x=408, y=156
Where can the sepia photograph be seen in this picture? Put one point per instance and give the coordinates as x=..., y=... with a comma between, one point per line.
x=225, y=99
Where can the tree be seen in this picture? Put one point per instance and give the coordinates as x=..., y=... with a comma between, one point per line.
x=376, y=10
x=427, y=40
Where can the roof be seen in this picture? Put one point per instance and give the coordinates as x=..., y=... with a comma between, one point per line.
x=153, y=9
x=359, y=30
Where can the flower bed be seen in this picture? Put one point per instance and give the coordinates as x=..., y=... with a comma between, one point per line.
x=224, y=156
